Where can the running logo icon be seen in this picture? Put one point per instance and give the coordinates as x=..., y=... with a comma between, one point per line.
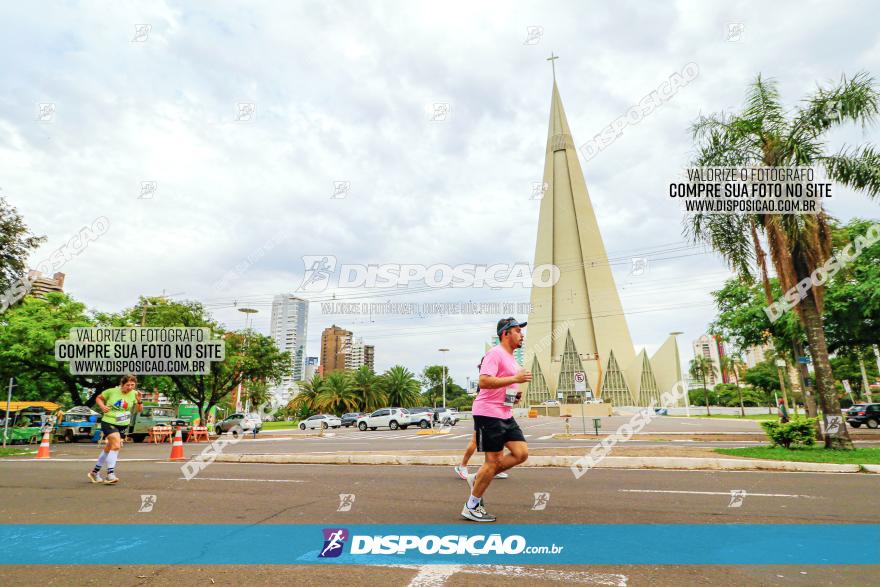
x=334, y=542
x=318, y=269
x=346, y=500
x=541, y=501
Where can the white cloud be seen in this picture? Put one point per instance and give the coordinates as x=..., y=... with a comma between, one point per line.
x=342, y=92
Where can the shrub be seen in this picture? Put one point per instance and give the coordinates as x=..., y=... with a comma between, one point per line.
x=797, y=432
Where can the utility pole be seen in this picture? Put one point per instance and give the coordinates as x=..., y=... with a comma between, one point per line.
x=444, y=377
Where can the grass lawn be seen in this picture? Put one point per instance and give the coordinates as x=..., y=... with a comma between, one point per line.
x=280, y=425
x=14, y=451
x=816, y=454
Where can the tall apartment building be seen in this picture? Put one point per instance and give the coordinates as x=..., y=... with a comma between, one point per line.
x=370, y=356
x=43, y=284
x=711, y=348
x=311, y=368
x=288, y=328
x=341, y=350
x=335, y=343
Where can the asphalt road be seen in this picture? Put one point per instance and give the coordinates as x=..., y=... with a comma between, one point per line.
x=56, y=491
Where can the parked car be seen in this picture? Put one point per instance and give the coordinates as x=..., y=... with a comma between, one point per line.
x=420, y=417
x=867, y=414
x=392, y=418
x=247, y=422
x=321, y=421
x=446, y=417
x=550, y=402
x=351, y=418
x=597, y=400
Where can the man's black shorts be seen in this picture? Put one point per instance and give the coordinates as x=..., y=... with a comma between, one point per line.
x=107, y=428
x=493, y=433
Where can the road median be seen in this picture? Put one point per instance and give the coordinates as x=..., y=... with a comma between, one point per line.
x=619, y=462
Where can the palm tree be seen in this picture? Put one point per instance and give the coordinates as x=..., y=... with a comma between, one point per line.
x=306, y=401
x=730, y=364
x=764, y=135
x=338, y=394
x=700, y=367
x=367, y=384
x=400, y=387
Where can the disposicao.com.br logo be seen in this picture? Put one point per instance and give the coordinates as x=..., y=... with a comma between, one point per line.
x=450, y=544
x=319, y=271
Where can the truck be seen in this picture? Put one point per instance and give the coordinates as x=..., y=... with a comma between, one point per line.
x=151, y=416
x=77, y=423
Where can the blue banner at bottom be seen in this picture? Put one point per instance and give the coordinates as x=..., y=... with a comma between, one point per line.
x=568, y=544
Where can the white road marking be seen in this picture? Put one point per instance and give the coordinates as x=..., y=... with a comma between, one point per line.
x=436, y=575
x=258, y=480
x=727, y=493
x=545, y=437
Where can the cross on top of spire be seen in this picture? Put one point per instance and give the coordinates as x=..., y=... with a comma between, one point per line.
x=552, y=59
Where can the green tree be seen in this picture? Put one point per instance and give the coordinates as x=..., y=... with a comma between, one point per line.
x=338, y=394
x=305, y=403
x=764, y=376
x=16, y=244
x=250, y=356
x=700, y=368
x=731, y=364
x=400, y=387
x=763, y=134
x=366, y=382
x=28, y=332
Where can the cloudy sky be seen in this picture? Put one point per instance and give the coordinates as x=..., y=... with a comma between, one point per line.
x=97, y=111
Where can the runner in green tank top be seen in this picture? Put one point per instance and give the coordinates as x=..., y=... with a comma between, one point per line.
x=117, y=403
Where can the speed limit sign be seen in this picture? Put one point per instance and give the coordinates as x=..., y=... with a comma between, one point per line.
x=580, y=382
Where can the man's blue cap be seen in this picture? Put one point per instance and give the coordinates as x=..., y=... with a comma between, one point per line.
x=506, y=324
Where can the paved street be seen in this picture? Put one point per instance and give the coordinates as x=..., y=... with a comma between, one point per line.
x=56, y=491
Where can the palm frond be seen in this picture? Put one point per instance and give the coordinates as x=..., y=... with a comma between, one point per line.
x=858, y=168
x=853, y=100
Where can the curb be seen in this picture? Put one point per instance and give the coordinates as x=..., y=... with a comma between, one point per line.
x=679, y=463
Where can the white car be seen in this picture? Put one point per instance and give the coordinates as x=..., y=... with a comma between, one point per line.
x=392, y=418
x=550, y=402
x=446, y=417
x=321, y=421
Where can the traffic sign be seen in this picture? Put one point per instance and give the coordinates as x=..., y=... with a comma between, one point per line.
x=805, y=360
x=580, y=382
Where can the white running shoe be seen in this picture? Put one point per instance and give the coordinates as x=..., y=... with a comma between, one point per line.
x=461, y=472
x=501, y=475
x=111, y=479
x=477, y=514
x=95, y=477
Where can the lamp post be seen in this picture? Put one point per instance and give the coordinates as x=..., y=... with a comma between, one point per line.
x=687, y=399
x=444, y=377
x=247, y=317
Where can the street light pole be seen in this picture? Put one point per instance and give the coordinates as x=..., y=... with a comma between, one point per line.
x=444, y=377
x=687, y=399
x=247, y=316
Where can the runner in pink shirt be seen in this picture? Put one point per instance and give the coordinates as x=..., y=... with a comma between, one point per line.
x=500, y=376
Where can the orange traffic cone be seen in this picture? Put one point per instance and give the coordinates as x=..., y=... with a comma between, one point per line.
x=43, y=452
x=177, y=447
